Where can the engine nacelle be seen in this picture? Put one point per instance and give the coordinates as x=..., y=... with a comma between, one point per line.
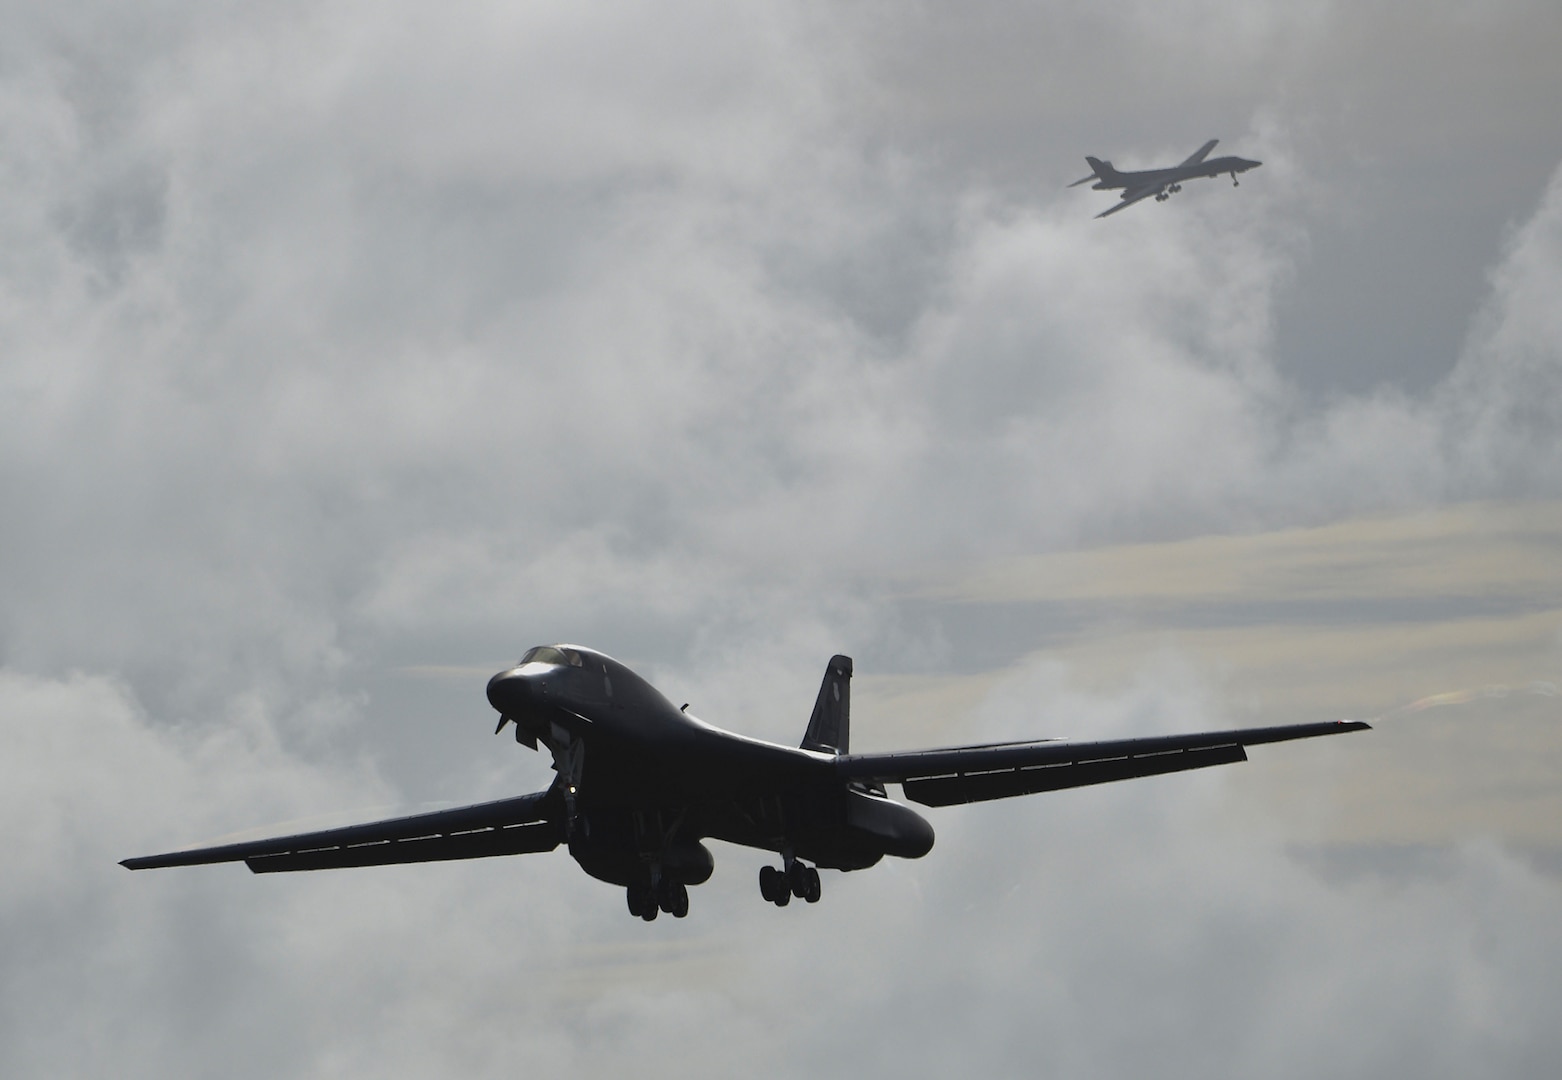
x=607, y=854
x=892, y=827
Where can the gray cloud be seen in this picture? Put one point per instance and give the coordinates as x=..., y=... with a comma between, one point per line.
x=334, y=342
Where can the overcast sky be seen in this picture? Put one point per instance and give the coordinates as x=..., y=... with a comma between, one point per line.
x=346, y=351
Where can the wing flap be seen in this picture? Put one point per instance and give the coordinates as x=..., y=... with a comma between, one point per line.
x=1031, y=779
x=997, y=771
x=505, y=840
x=489, y=828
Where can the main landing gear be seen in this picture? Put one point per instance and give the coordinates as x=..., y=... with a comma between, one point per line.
x=646, y=900
x=779, y=886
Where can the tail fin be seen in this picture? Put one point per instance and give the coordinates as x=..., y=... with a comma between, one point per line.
x=829, y=729
x=1103, y=169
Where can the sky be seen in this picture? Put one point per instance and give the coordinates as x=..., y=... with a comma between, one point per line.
x=347, y=351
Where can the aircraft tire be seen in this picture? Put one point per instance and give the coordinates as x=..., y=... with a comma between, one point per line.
x=770, y=883
x=814, y=889
x=803, y=881
x=673, y=898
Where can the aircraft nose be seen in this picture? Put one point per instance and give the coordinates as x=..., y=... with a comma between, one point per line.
x=508, y=692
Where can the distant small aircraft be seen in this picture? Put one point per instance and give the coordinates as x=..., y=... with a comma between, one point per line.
x=1162, y=183
x=641, y=783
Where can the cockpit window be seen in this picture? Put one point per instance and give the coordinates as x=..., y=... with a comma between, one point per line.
x=547, y=654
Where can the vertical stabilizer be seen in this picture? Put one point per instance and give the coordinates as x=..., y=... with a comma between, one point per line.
x=1103, y=170
x=830, y=726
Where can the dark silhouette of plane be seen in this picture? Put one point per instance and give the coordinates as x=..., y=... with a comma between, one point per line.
x=641, y=783
x=1162, y=183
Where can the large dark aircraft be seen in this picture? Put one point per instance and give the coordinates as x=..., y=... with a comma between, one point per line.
x=1162, y=183
x=642, y=783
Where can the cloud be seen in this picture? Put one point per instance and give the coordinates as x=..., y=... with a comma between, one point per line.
x=1504, y=402
x=1117, y=927
x=339, y=342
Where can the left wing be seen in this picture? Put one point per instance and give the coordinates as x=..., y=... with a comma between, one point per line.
x=966, y=774
x=1200, y=154
x=1132, y=196
x=504, y=827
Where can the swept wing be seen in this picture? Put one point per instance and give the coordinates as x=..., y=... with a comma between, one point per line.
x=1200, y=154
x=966, y=774
x=1132, y=196
x=503, y=827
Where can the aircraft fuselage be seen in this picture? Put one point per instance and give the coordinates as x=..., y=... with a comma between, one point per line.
x=1161, y=184
x=643, y=781
x=1149, y=178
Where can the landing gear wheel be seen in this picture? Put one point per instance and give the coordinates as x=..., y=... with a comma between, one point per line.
x=640, y=901
x=673, y=898
x=812, y=891
x=771, y=883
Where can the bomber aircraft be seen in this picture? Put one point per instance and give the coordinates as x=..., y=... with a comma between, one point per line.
x=1162, y=183
x=641, y=784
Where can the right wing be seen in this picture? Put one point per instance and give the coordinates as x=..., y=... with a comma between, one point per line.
x=1132, y=196
x=964, y=774
x=528, y=823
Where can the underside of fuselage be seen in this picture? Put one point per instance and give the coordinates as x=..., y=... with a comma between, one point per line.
x=641, y=784
x=835, y=827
